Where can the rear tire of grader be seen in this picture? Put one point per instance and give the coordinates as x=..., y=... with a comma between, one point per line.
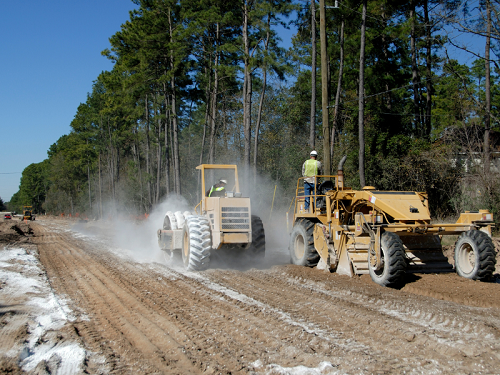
x=302, y=251
x=196, y=243
x=393, y=261
x=475, y=255
x=258, y=246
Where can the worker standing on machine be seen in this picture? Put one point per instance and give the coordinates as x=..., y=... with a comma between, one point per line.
x=310, y=169
x=218, y=190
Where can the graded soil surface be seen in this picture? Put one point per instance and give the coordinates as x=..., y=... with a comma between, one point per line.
x=132, y=316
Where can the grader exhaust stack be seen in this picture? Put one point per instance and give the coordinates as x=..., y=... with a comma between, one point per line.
x=384, y=234
x=340, y=173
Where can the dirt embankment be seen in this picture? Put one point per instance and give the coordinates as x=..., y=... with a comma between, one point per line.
x=152, y=317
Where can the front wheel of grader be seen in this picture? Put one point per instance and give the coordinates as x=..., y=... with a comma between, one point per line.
x=302, y=251
x=475, y=255
x=393, y=262
x=196, y=243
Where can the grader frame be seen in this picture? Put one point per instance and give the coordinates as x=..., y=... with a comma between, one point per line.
x=384, y=233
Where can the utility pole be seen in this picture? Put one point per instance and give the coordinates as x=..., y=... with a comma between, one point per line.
x=361, y=95
x=487, y=119
x=324, y=89
x=312, y=127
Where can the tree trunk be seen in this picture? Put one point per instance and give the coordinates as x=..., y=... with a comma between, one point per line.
x=207, y=109
x=177, y=168
x=167, y=152
x=324, y=89
x=158, y=161
x=487, y=119
x=361, y=96
x=428, y=72
x=414, y=69
x=385, y=51
x=312, y=128
x=111, y=165
x=137, y=159
x=148, y=165
x=261, y=102
x=339, y=89
x=213, y=123
x=247, y=90
x=88, y=178
x=100, y=187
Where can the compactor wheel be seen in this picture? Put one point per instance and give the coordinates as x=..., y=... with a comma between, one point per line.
x=170, y=222
x=258, y=247
x=302, y=251
x=393, y=261
x=196, y=243
x=475, y=255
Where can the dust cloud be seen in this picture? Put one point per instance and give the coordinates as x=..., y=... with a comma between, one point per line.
x=138, y=239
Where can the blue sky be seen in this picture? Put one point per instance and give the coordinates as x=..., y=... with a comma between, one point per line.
x=50, y=55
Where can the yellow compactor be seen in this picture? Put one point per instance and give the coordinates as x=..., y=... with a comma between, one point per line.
x=384, y=234
x=218, y=223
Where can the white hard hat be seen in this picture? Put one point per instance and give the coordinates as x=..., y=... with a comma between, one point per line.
x=314, y=153
x=223, y=181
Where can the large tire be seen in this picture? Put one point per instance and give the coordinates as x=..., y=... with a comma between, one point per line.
x=258, y=246
x=196, y=243
x=393, y=261
x=301, y=246
x=475, y=255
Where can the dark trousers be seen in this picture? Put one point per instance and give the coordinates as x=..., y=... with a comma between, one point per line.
x=308, y=190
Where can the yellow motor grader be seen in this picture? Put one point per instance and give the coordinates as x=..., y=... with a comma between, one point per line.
x=27, y=213
x=383, y=233
x=224, y=222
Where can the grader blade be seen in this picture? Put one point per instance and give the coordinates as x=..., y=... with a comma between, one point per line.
x=425, y=254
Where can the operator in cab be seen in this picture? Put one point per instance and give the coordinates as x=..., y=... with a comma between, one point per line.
x=218, y=190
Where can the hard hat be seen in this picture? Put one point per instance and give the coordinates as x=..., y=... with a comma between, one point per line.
x=223, y=181
x=314, y=153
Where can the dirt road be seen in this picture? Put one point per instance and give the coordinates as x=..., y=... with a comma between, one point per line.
x=125, y=316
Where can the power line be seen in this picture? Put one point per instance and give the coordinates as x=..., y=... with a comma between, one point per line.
x=10, y=172
x=387, y=91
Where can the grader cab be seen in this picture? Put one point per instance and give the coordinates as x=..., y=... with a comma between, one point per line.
x=384, y=234
x=222, y=223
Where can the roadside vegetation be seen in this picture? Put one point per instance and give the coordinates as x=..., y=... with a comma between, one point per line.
x=207, y=82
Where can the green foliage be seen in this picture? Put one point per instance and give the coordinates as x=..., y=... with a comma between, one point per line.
x=33, y=188
x=158, y=113
x=3, y=207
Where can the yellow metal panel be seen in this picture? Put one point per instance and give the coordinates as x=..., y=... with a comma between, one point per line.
x=320, y=243
x=469, y=217
x=236, y=237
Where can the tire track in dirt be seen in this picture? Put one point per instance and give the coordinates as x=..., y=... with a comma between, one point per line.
x=121, y=311
x=245, y=330
x=242, y=326
x=379, y=321
x=149, y=317
x=329, y=315
x=66, y=285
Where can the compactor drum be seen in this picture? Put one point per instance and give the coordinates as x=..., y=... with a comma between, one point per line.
x=221, y=221
x=384, y=234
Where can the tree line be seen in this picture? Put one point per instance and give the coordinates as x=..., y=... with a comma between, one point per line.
x=206, y=81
